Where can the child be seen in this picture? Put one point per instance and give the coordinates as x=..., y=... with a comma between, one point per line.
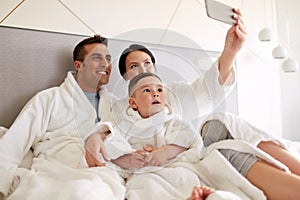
x=150, y=126
x=154, y=149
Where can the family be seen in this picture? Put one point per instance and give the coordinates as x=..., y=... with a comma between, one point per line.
x=87, y=144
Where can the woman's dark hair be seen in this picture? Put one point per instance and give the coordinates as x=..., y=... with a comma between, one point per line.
x=79, y=51
x=131, y=48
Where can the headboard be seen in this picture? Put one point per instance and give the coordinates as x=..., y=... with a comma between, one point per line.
x=33, y=60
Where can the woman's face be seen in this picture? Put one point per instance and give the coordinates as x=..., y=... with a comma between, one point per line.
x=138, y=62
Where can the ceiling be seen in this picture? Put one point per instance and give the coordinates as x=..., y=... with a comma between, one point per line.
x=153, y=21
x=171, y=22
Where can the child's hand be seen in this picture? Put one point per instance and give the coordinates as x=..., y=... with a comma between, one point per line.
x=137, y=159
x=156, y=157
x=159, y=156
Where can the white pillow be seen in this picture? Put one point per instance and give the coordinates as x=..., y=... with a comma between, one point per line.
x=27, y=160
x=2, y=131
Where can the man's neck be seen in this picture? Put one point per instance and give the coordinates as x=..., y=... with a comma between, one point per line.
x=86, y=88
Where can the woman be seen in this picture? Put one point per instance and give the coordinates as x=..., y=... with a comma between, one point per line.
x=185, y=99
x=138, y=59
x=235, y=38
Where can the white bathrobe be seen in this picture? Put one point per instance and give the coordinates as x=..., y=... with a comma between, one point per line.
x=135, y=132
x=131, y=132
x=178, y=176
x=54, y=125
x=156, y=131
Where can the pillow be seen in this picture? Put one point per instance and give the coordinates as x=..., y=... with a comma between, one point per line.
x=27, y=160
x=2, y=131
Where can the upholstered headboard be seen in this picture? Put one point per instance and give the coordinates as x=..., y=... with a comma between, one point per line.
x=30, y=61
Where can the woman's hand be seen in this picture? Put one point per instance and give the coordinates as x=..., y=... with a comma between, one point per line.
x=236, y=35
x=235, y=39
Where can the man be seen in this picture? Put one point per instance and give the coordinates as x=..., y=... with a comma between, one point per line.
x=54, y=125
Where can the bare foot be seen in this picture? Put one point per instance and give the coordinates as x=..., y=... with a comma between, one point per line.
x=200, y=193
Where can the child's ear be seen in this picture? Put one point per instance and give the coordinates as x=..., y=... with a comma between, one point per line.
x=132, y=103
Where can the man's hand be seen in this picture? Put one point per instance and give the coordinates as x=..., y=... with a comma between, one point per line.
x=94, y=148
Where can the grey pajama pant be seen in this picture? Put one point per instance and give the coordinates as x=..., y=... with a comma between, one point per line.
x=213, y=131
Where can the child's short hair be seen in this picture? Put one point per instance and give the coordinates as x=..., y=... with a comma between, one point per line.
x=133, y=82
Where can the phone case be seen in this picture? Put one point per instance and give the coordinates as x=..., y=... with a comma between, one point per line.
x=219, y=11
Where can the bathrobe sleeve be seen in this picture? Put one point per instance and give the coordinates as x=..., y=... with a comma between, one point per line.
x=182, y=134
x=115, y=143
x=202, y=96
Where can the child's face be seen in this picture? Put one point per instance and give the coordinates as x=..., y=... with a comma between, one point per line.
x=149, y=97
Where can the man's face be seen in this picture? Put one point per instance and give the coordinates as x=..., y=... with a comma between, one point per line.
x=95, y=69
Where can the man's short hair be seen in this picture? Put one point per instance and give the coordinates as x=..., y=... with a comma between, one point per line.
x=79, y=51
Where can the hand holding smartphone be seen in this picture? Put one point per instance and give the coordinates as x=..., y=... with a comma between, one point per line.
x=219, y=11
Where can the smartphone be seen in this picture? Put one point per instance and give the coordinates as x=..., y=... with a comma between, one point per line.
x=219, y=11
